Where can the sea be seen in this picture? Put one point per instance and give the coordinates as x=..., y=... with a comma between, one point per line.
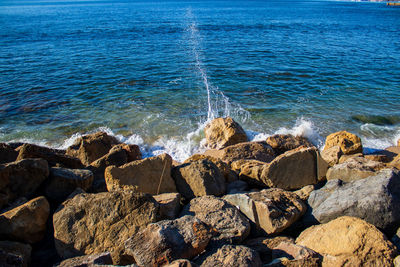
x=154, y=73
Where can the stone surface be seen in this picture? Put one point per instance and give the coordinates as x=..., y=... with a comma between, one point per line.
x=223, y=132
x=250, y=171
x=132, y=151
x=375, y=199
x=26, y=223
x=88, y=260
x=91, y=147
x=264, y=246
x=305, y=192
x=230, y=226
x=355, y=168
x=7, y=153
x=378, y=157
x=349, y=143
x=272, y=210
x=296, y=255
x=332, y=155
x=198, y=178
x=237, y=187
x=233, y=256
x=165, y=241
x=396, y=239
x=285, y=142
x=9, y=259
x=19, y=249
x=181, y=263
x=349, y=241
x=345, y=158
x=96, y=223
x=54, y=157
x=170, y=205
x=151, y=175
x=62, y=182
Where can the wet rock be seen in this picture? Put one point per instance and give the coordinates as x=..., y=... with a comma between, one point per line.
x=349, y=241
x=96, y=223
x=349, y=143
x=7, y=153
x=170, y=205
x=198, y=178
x=233, y=256
x=223, y=132
x=23, y=251
x=165, y=241
x=230, y=226
x=332, y=155
x=26, y=223
x=88, y=260
x=285, y=142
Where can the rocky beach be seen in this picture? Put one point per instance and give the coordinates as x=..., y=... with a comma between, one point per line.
x=276, y=202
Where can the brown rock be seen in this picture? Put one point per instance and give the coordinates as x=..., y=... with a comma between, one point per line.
x=163, y=242
x=285, y=142
x=7, y=153
x=349, y=143
x=170, y=205
x=223, y=132
x=345, y=158
x=198, y=178
x=90, y=147
x=250, y=171
x=332, y=155
x=295, y=255
x=132, y=151
x=233, y=256
x=390, y=152
x=9, y=259
x=150, y=175
x=395, y=162
x=96, y=223
x=19, y=249
x=349, y=241
x=264, y=246
x=181, y=263
x=377, y=157
x=26, y=223
x=88, y=260
x=305, y=192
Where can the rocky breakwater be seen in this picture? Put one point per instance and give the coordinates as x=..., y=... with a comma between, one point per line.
x=278, y=202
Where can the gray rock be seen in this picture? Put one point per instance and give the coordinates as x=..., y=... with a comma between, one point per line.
x=233, y=256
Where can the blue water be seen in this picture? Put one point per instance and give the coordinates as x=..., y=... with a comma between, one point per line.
x=154, y=72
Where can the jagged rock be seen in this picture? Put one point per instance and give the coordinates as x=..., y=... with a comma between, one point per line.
x=96, y=223
x=150, y=175
x=349, y=241
x=273, y=210
x=22, y=178
x=132, y=151
x=170, y=205
x=305, y=192
x=19, y=249
x=260, y=151
x=285, y=142
x=233, y=256
x=375, y=199
x=250, y=171
x=26, y=223
x=349, y=143
x=54, y=157
x=7, y=153
x=181, y=263
x=355, y=168
x=229, y=224
x=345, y=158
x=237, y=187
x=90, y=147
x=390, y=152
x=332, y=155
x=63, y=182
x=264, y=246
x=88, y=260
x=378, y=157
x=395, y=163
x=165, y=241
x=223, y=132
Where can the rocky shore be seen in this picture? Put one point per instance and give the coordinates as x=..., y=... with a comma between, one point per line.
x=278, y=202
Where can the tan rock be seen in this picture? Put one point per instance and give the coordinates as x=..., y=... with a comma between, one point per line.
x=345, y=158
x=305, y=192
x=295, y=255
x=285, y=142
x=349, y=143
x=94, y=260
x=7, y=153
x=170, y=205
x=250, y=171
x=390, y=152
x=398, y=142
x=26, y=223
x=151, y=175
x=332, y=155
x=378, y=157
x=19, y=249
x=264, y=245
x=223, y=132
x=132, y=151
x=181, y=263
x=395, y=162
x=233, y=256
x=349, y=241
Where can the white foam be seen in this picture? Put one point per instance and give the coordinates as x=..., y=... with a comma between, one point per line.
x=305, y=128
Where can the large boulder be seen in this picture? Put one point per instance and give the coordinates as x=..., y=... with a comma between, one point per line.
x=349, y=143
x=97, y=223
x=150, y=175
x=332, y=155
x=250, y=170
x=375, y=199
x=349, y=241
x=26, y=223
x=229, y=224
x=265, y=245
x=281, y=143
x=165, y=241
x=7, y=153
x=88, y=260
x=23, y=251
x=9, y=259
x=273, y=210
x=233, y=256
x=198, y=178
x=91, y=147
x=223, y=132
x=170, y=205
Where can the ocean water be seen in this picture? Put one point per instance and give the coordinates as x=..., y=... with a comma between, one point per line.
x=154, y=73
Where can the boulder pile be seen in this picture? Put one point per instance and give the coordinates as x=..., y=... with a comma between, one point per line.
x=277, y=202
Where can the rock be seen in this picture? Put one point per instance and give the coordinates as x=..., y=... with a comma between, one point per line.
x=332, y=155
x=295, y=255
x=170, y=205
x=285, y=142
x=54, y=157
x=375, y=199
x=272, y=210
x=396, y=261
x=230, y=226
x=90, y=147
x=223, y=132
x=9, y=259
x=345, y=158
x=26, y=223
x=7, y=153
x=237, y=187
x=305, y=192
x=19, y=249
x=63, y=182
x=198, y=178
x=390, y=152
x=395, y=163
x=260, y=151
x=22, y=178
x=378, y=158
x=233, y=256
x=349, y=241
x=181, y=263
x=355, y=168
x=250, y=171
x=396, y=239
x=88, y=260
x=132, y=151
x=165, y=241
x=264, y=246
x=97, y=223
x=349, y=143
x=150, y=175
